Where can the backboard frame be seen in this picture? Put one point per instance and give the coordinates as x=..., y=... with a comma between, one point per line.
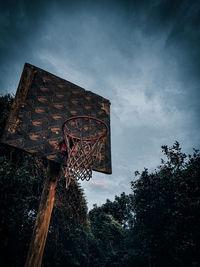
x=42, y=103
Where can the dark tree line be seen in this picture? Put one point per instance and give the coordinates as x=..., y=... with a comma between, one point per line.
x=156, y=225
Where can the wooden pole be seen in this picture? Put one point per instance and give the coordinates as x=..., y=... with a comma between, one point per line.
x=39, y=236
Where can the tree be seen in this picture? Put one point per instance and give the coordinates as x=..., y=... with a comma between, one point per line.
x=121, y=209
x=109, y=235
x=20, y=188
x=167, y=216
x=21, y=182
x=5, y=105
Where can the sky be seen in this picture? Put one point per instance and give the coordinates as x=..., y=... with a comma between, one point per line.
x=144, y=56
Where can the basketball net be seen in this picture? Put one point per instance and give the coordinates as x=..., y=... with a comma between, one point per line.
x=84, y=137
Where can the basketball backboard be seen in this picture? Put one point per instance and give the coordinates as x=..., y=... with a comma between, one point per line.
x=42, y=103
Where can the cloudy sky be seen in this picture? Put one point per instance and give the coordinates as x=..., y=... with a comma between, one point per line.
x=144, y=56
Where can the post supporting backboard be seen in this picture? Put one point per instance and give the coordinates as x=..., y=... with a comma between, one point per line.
x=39, y=236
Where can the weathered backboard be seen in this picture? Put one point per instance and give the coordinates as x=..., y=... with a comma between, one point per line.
x=41, y=105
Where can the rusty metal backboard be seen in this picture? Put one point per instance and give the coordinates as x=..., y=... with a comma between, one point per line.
x=42, y=103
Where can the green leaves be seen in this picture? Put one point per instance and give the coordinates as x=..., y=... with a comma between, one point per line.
x=166, y=210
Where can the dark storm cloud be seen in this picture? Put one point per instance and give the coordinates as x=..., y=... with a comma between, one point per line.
x=142, y=55
x=20, y=23
x=21, y=20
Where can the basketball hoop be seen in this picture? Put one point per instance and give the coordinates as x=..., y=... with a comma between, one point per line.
x=83, y=139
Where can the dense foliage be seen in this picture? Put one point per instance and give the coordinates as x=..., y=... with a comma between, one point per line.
x=167, y=214
x=156, y=225
x=21, y=181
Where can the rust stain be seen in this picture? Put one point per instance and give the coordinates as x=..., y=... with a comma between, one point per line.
x=58, y=106
x=86, y=128
x=39, y=110
x=11, y=130
x=32, y=150
x=101, y=157
x=73, y=112
x=72, y=123
x=13, y=126
x=36, y=123
x=88, y=107
x=34, y=137
x=75, y=102
x=75, y=92
x=46, y=79
x=57, y=117
x=55, y=130
x=106, y=108
x=104, y=139
x=101, y=169
x=54, y=144
x=101, y=132
x=50, y=157
x=44, y=89
x=61, y=85
x=59, y=95
x=42, y=99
